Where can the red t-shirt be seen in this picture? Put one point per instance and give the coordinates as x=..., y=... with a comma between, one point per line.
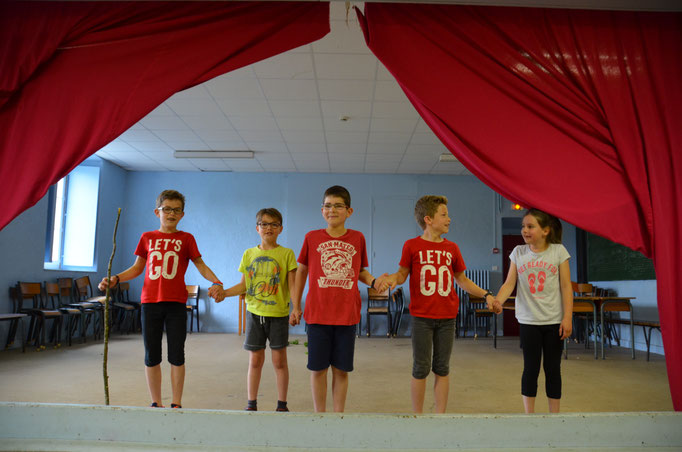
x=334, y=264
x=167, y=256
x=432, y=267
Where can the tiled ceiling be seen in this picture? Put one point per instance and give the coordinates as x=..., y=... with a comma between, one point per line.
x=327, y=107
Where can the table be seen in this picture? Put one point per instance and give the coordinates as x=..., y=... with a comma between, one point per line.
x=589, y=304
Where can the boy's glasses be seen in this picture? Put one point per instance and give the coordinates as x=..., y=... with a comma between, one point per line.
x=169, y=210
x=269, y=225
x=333, y=206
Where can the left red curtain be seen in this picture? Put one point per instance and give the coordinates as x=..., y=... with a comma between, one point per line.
x=75, y=75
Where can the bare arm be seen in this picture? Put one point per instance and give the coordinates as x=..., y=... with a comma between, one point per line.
x=398, y=277
x=566, y=327
x=509, y=284
x=297, y=294
x=472, y=288
x=131, y=272
x=235, y=290
x=215, y=291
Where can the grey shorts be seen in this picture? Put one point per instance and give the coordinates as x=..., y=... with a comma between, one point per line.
x=431, y=346
x=260, y=329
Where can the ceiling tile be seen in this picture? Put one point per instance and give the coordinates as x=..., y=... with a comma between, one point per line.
x=207, y=122
x=295, y=108
x=399, y=110
x=253, y=123
x=351, y=125
x=424, y=138
x=286, y=66
x=389, y=137
x=312, y=148
x=337, y=66
x=161, y=110
x=311, y=123
x=276, y=89
x=267, y=146
x=195, y=92
x=138, y=135
x=303, y=136
x=234, y=88
x=227, y=145
x=261, y=135
x=244, y=107
x=346, y=137
x=385, y=148
x=163, y=122
x=389, y=91
x=347, y=148
x=346, y=90
x=118, y=145
x=393, y=125
x=188, y=106
x=338, y=108
x=150, y=146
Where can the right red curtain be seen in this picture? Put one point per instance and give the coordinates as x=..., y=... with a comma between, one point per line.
x=575, y=112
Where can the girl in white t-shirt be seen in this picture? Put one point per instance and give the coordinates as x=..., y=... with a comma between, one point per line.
x=544, y=303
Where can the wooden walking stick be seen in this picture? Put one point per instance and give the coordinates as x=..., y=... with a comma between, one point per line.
x=106, y=316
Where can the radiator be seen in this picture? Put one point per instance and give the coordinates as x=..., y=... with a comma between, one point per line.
x=482, y=279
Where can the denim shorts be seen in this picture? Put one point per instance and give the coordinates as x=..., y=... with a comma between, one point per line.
x=260, y=329
x=431, y=346
x=331, y=345
x=155, y=316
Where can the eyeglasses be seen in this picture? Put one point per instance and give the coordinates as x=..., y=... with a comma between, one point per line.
x=269, y=225
x=334, y=206
x=167, y=210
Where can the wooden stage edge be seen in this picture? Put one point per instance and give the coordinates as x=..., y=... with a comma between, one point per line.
x=33, y=426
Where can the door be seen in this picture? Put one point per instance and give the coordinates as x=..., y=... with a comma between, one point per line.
x=510, y=326
x=392, y=224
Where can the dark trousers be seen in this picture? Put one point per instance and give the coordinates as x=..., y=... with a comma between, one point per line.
x=156, y=316
x=541, y=343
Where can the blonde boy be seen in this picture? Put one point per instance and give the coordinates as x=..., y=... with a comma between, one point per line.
x=432, y=263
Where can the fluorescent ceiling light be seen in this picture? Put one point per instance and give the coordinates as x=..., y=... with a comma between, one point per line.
x=213, y=154
x=447, y=157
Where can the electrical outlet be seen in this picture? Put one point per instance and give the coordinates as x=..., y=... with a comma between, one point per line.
x=495, y=268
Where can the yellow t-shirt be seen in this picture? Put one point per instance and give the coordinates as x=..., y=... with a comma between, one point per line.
x=267, y=287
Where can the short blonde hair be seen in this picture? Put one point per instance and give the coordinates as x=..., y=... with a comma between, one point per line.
x=170, y=195
x=427, y=206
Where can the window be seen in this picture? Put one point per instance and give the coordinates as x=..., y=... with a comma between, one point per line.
x=72, y=221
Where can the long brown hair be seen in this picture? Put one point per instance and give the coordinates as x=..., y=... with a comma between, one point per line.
x=546, y=220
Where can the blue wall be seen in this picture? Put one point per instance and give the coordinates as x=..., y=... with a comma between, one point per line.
x=220, y=212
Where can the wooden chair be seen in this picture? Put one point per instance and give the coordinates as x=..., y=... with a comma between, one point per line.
x=398, y=298
x=125, y=313
x=193, y=305
x=477, y=315
x=123, y=290
x=39, y=313
x=73, y=315
x=85, y=294
x=16, y=321
x=242, y=314
x=378, y=304
x=69, y=298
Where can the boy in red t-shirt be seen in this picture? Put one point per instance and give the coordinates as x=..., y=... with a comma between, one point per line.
x=165, y=254
x=335, y=258
x=432, y=263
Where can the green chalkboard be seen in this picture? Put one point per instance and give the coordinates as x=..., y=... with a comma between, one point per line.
x=609, y=261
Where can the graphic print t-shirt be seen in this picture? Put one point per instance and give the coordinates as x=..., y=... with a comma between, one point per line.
x=334, y=264
x=167, y=256
x=432, y=271
x=538, y=294
x=267, y=286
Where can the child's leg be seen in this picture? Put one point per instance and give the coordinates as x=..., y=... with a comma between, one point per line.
x=280, y=363
x=531, y=342
x=318, y=384
x=153, y=375
x=443, y=338
x=339, y=389
x=278, y=334
x=176, y=333
x=422, y=347
x=343, y=353
x=152, y=332
x=256, y=360
x=551, y=360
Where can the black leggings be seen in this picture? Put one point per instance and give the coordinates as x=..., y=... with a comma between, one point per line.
x=541, y=343
x=156, y=316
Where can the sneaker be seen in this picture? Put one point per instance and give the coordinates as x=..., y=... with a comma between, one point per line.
x=282, y=409
x=175, y=405
x=249, y=408
x=156, y=405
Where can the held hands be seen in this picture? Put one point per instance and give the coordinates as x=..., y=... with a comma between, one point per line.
x=382, y=283
x=105, y=283
x=295, y=317
x=391, y=280
x=495, y=306
x=566, y=328
x=216, y=292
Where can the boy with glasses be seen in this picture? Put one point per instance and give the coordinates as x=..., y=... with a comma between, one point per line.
x=335, y=258
x=165, y=255
x=268, y=274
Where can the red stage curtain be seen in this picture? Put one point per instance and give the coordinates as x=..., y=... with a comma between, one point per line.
x=576, y=112
x=75, y=75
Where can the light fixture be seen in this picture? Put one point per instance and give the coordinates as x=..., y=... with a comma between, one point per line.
x=516, y=206
x=447, y=157
x=213, y=154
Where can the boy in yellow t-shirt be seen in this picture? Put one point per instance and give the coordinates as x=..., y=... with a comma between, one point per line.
x=268, y=275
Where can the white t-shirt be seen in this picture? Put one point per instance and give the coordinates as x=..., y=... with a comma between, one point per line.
x=538, y=292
